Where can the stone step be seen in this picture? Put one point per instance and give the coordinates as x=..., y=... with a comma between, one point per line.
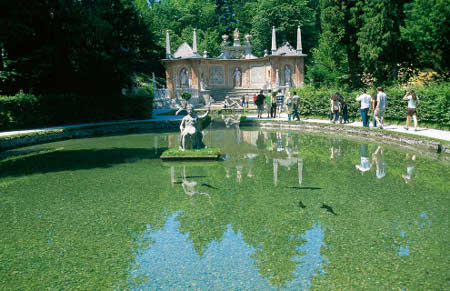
x=219, y=94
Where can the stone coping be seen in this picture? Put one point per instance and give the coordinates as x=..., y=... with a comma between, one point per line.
x=354, y=132
x=26, y=138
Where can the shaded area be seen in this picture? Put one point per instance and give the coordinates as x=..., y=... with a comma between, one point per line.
x=72, y=160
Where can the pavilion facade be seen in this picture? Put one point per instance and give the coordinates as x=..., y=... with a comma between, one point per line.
x=235, y=69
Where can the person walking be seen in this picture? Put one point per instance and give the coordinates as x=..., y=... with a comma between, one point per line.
x=273, y=107
x=365, y=99
x=413, y=102
x=380, y=107
x=260, y=103
x=295, y=106
x=243, y=101
x=289, y=106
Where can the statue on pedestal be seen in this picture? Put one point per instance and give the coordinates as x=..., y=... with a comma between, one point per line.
x=237, y=78
x=191, y=129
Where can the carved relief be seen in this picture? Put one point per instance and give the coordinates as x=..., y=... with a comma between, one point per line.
x=257, y=74
x=216, y=75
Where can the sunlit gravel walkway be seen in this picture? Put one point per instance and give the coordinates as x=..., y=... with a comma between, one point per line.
x=422, y=131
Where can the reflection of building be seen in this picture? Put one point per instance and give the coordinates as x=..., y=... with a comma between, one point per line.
x=235, y=70
x=288, y=163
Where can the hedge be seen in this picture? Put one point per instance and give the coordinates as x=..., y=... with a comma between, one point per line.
x=30, y=111
x=434, y=105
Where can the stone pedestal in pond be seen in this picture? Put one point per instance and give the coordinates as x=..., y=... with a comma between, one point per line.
x=191, y=139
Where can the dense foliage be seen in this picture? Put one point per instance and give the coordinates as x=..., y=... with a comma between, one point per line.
x=28, y=110
x=98, y=48
x=434, y=105
x=85, y=47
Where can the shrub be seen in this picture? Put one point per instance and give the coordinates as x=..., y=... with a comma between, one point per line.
x=29, y=111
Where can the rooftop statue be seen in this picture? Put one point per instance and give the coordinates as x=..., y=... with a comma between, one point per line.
x=236, y=34
x=191, y=129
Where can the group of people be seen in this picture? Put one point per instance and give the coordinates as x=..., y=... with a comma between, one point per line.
x=376, y=103
x=274, y=102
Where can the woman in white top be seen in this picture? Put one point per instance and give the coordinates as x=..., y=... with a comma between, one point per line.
x=413, y=102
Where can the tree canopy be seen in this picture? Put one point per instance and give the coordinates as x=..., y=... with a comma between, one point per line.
x=96, y=47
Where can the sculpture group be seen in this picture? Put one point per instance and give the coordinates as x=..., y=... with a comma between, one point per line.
x=191, y=136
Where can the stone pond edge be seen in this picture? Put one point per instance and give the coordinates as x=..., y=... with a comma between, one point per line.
x=50, y=135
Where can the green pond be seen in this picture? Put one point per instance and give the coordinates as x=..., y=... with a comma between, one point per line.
x=280, y=210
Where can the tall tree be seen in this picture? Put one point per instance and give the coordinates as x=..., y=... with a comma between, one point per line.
x=87, y=47
x=427, y=27
x=285, y=16
x=379, y=38
x=336, y=56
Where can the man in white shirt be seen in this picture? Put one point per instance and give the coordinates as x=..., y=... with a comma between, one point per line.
x=365, y=104
x=381, y=107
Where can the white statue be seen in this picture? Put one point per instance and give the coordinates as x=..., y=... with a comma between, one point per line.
x=237, y=78
x=191, y=129
x=202, y=83
x=184, y=82
x=287, y=75
x=236, y=34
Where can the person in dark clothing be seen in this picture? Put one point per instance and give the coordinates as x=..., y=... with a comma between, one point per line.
x=273, y=108
x=344, y=109
x=260, y=103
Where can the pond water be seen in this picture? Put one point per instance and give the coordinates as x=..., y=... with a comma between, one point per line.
x=281, y=210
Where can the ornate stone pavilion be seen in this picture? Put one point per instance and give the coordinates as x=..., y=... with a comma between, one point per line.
x=235, y=70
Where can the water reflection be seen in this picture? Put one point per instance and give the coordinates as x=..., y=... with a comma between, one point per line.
x=410, y=169
x=365, y=164
x=170, y=262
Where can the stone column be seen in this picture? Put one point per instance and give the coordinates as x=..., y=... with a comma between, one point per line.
x=168, y=54
x=299, y=40
x=194, y=42
x=274, y=41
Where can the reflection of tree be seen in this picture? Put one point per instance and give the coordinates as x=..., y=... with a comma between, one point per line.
x=98, y=234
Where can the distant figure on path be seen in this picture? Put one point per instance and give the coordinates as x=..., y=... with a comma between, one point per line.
x=335, y=107
x=344, y=110
x=365, y=99
x=296, y=106
x=273, y=107
x=280, y=101
x=413, y=102
x=380, y=107
x=373, y=105
x=268, y=97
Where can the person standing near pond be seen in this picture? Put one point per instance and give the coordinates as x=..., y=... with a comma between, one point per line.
x=295, y=106
x=260, y=103
x=380, y=107
x=334, y=107
x=268, y=104
x=344, y=110
x=373, y=105
x=280, y=101
x=289, y=106
x=365, y=99
x=413, y=102
x=273, y=107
